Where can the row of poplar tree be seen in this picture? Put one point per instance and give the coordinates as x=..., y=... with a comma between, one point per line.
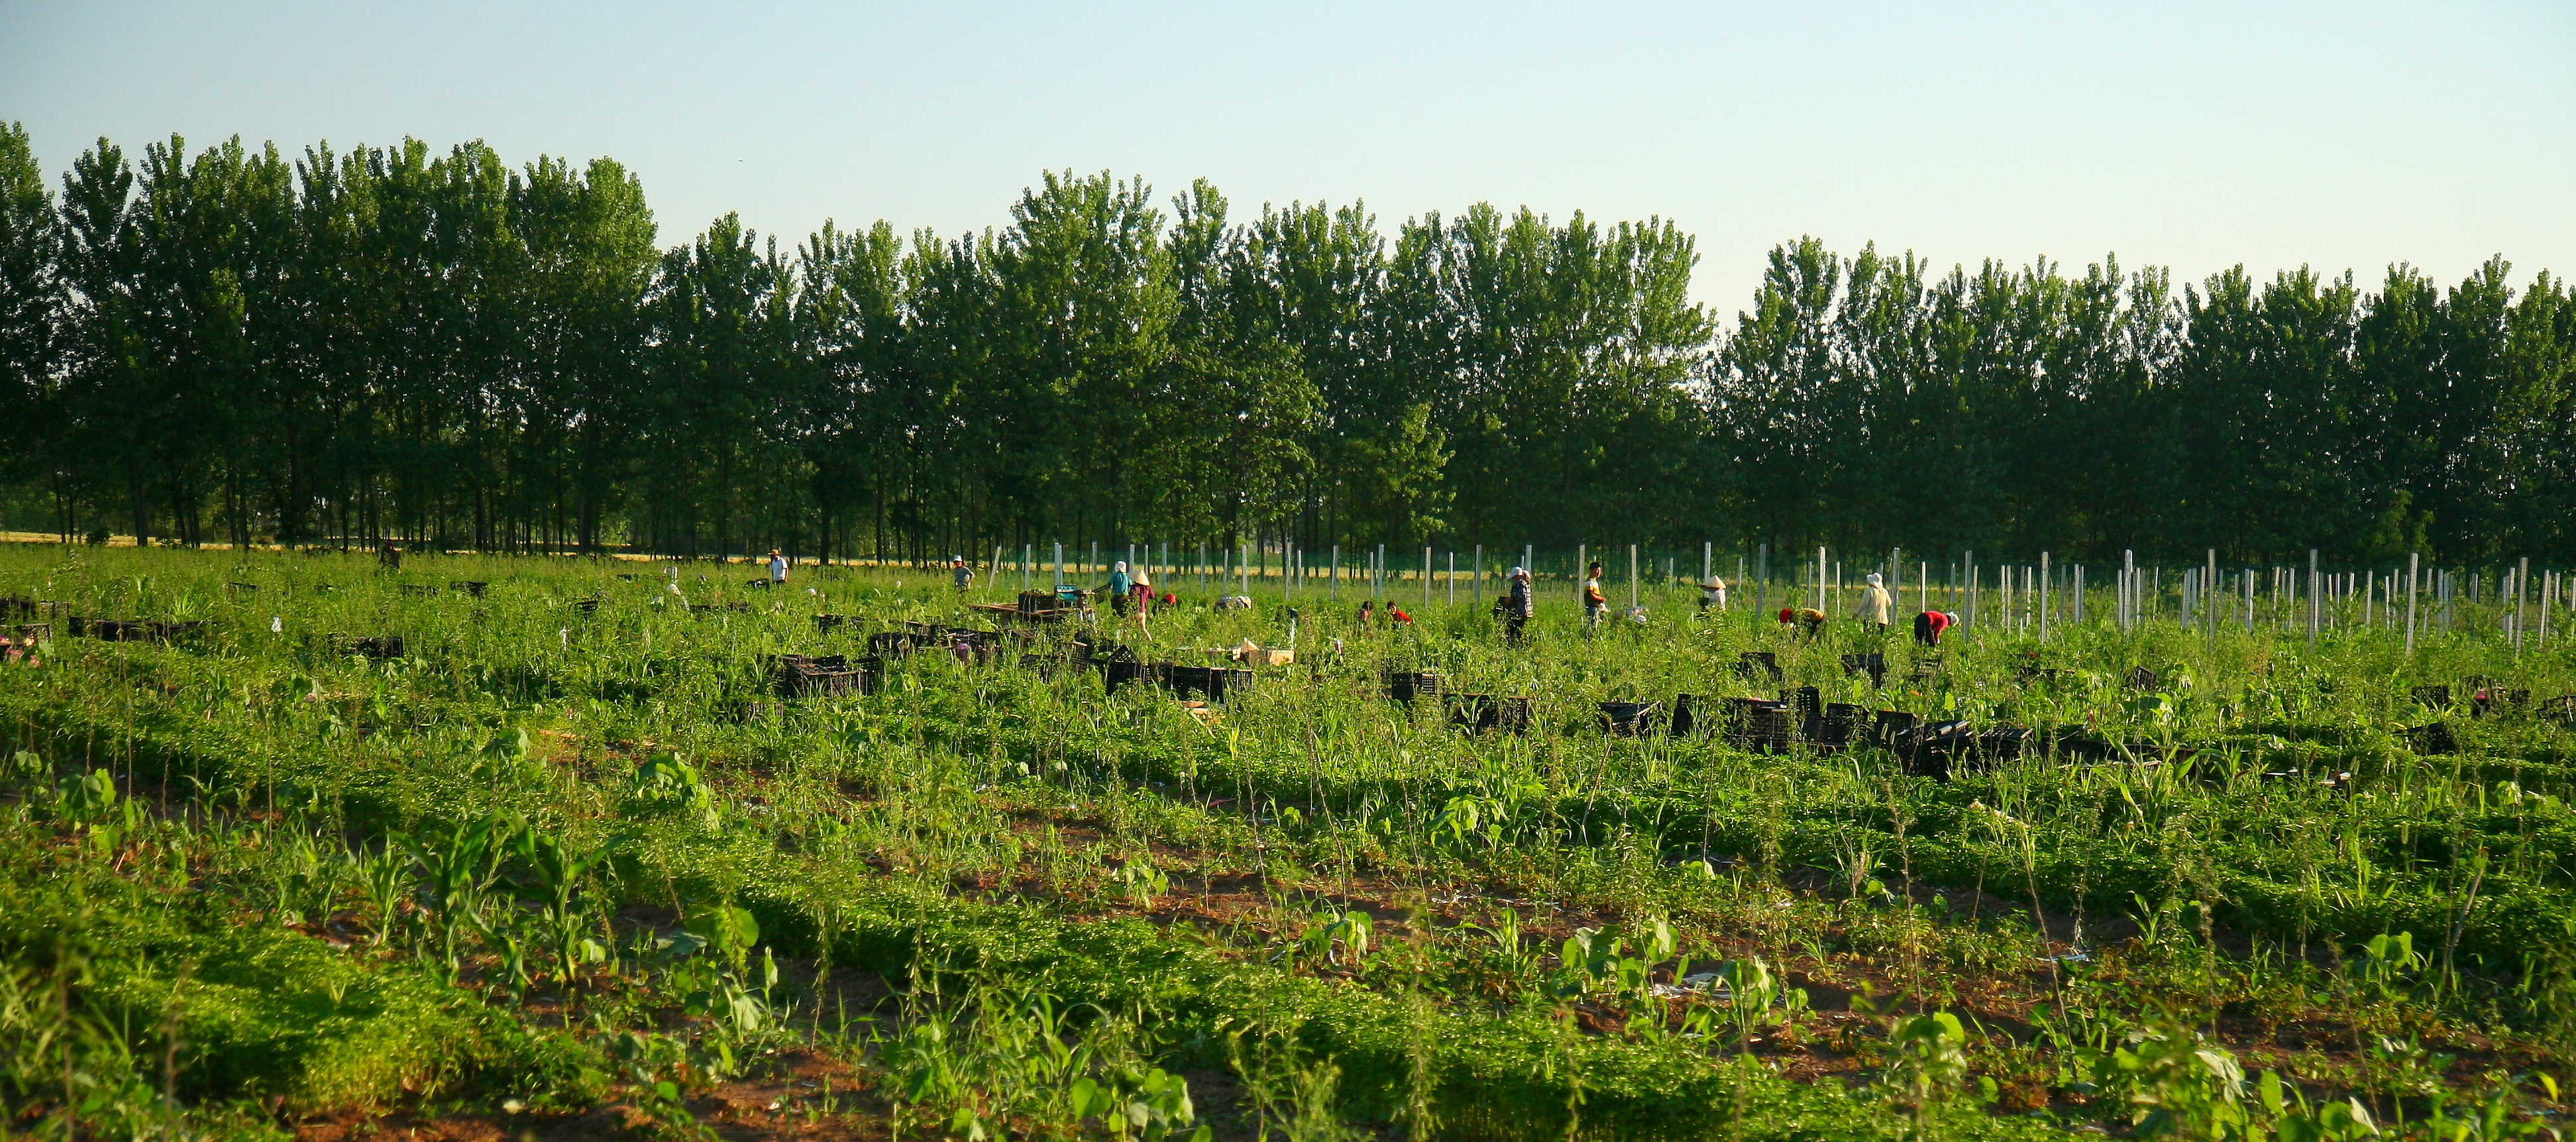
x=238, y=345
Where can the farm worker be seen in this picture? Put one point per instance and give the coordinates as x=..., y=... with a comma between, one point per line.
x=1118, y=587
x=1144, y=592
x=1396, y=616
x=1712, y=593
x=1518, y=608
x=1368, y=613
x=959, y=571
x=1809, y=620
x=390, y=555
x=777, y=567
x=1595, y=604
x=1928, y=627
x=1874, y=604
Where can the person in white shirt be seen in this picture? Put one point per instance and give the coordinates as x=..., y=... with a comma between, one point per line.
x=1712, y=594
x=777, y=568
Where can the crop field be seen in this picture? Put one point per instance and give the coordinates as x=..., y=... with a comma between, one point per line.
x=485, y=847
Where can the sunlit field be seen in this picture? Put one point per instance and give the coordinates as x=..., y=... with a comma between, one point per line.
x=581, y=856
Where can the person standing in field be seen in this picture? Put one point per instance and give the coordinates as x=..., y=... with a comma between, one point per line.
x=1143, y=589
x=390, y=556
x=777, y=568
x=959, y=571
x=1518, y=608
x=1874, y=604
x=1712, y=595
x=1595, y=604
x=1120, y=585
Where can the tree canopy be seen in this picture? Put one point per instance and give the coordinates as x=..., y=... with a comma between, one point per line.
x=236, y=345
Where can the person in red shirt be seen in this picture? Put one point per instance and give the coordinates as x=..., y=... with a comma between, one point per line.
x=1929, y=625
x=1396, y=615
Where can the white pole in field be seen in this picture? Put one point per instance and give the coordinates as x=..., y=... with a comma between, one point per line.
x=1333, y=575
x=2209, y=580
x=1820, y=580
x=2078, y=615
x=1027, y=556
x=1970, y=559
x=2129, y=572
x=2521, y=588
x=1761, y=576
x=2043, y=596
x=2412, y=570
x=1632, y=578
x=2316, y=597
x=1426, y=577
x=1707, y=549
x=1582, y=568
x=1059, y=563
x=1453, y=578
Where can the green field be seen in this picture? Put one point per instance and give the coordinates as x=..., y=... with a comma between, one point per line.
x=581, y=870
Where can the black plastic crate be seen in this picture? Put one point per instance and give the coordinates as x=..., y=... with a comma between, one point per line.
x=1759, y=666
x=1630, y=719
x=1406, y=685
x=1479, y=712
x=2432, y=739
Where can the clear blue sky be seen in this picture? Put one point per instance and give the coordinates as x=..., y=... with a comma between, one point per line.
x=2195, y=136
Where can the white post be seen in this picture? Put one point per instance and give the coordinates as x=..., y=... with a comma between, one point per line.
x=2043, y=596
x=2521, y=588
x=2412, y=570
x=1453, y=578
x=1059, y=563
x=1707, y=549
x=1426, y=577
x=1632, y=578
x=1820, y=580
x=1970, y=560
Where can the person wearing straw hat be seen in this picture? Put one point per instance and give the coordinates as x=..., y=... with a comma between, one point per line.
x=1875, y=602
x=1143, y=588
x=1712, y=595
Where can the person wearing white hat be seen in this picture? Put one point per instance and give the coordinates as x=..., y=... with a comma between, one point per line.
x=1874, y=604
x=959, y=570
x=1712, y=595
x=1118, y=588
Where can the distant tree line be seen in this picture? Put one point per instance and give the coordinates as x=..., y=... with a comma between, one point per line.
x=240, y=346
